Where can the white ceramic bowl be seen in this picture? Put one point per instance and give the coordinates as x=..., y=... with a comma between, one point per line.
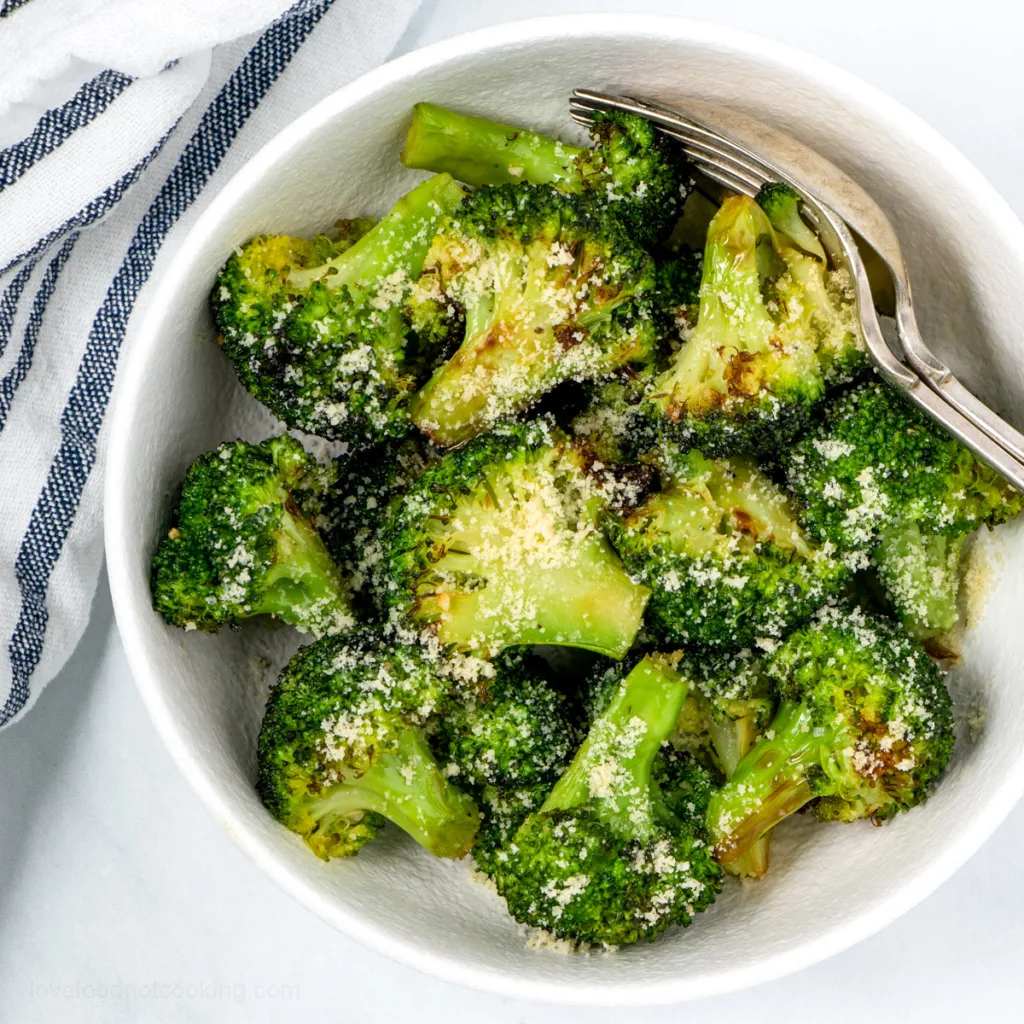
x=829, y=886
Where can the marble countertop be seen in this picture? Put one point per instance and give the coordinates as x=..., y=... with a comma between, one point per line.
x=122, y=900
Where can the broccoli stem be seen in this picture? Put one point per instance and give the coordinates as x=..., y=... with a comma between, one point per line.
x=733, y=739
x=396, y=244
x=304, y=586
x=406, y=786
x=482, y=152
x=755, y=862
x=769, y=784
x=921, y=574
x=612, y=768
x=590, y=603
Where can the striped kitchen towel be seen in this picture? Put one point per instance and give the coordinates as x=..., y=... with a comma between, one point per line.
x=164, y=102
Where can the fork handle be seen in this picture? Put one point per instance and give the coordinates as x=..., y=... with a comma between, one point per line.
x=941, y=379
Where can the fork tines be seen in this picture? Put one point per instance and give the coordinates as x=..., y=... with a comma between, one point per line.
x=700, y=144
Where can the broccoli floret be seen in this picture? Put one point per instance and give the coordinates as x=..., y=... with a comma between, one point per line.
x=633, y=170
x=542, y=291
x=239, y=545
x=611, y=420
x=502, y=812
x=723, y=555
x=782, y=205
x=605, y=860
x=876, y=461
x=514, y=732
x=607, y=423
x=774, y=327
x=883, y=483
x=315, y=329
x=921, y=576
x=863, y=728
x=342, y=748
x=497, y=546
x=729, y=704
x=676, y=297
x=684, y=784
x=347, y=500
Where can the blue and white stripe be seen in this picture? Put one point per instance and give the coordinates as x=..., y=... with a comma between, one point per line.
x=61, y=123
x=9, y=6
x=54, y=184
x=58, y=365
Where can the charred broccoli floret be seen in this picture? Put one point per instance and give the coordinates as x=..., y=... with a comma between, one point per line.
x=611, y=420
x=774, y=328
x=723, y=555
x=607, y=423
x=515, y=731
x=605, y=860
x=882, y=482
x=315, y=329
x=540, y=290
x=632, y=171
x=497, y=546
x=676, y=297
x=864, y=727
x=342, y=749
x=239, y=545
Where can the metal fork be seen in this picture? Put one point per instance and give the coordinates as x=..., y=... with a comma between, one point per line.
x=927, y=381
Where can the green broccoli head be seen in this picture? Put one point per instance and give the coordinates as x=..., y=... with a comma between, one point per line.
x=347, y=500
x=864, y=727
x=632, y=171
x=684, y=785
x=315, y=329
x=605, y=860
x=876, y=462
x=782, y=206
x=543, y=290
x=676, y=297
x=503, y=811
x=636, y=172
x=612, y=418
x=239, y=545
x=514, y=732
x=497, y=546
x=342, y=749
x=723, y=555
x=774, y=327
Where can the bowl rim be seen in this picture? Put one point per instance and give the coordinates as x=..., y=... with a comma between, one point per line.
x=592, y=26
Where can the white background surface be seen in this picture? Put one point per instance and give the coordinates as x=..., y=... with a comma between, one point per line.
x=122, y=900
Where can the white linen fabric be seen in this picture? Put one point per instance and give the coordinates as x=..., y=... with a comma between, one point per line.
x=92, y=202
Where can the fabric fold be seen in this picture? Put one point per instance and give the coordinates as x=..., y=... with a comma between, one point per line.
x=69, y=299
